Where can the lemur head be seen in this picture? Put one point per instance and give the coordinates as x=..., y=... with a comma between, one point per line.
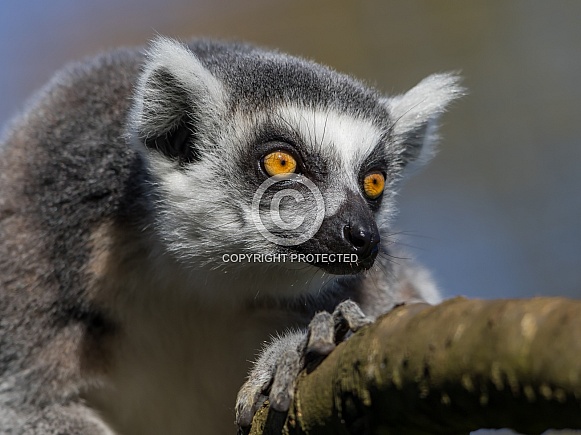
x=258, y=152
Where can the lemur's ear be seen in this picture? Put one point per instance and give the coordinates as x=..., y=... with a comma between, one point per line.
x=176, y=100
x=415, y=114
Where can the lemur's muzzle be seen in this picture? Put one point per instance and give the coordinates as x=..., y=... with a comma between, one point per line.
x=352, y=233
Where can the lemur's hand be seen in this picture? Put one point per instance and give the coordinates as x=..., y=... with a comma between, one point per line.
x=274, y=375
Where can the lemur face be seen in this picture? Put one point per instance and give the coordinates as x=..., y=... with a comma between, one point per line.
x=276, y=155
x=332, y=166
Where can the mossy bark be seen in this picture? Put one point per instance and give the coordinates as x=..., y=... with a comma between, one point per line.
x=447, y=369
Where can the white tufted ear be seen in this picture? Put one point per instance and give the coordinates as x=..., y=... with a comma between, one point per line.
x=415, y=114
x=177, y=100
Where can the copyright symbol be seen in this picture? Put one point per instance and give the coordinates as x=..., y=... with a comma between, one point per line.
x=293, y=215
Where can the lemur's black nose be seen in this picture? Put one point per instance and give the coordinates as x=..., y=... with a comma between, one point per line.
x=363, y=239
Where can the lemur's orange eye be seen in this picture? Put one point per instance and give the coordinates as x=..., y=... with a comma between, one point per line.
x=373, y=185
x=279, y=162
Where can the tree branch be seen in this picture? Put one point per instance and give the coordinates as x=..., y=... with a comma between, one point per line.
x=448, y=369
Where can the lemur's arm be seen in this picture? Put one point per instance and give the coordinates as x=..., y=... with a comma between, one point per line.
x=393, y=280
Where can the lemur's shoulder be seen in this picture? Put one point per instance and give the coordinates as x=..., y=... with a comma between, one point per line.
x=73, y=122
x=66, y=174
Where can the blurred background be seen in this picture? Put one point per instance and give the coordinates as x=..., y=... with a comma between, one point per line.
x=497, y=213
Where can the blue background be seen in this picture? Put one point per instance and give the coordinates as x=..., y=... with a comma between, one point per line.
x=497, y=213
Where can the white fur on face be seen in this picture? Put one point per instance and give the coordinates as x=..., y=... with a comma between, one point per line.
x=206, y=208
x=345, y=140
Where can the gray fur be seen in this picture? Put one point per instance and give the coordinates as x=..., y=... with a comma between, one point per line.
x=117, y=313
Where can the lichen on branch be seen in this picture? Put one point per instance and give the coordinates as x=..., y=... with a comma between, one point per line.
x=447, y=369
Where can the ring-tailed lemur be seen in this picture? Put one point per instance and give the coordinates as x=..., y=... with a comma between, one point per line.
x=135, y=281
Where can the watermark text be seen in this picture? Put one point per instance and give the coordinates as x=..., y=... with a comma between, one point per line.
x=291, y=258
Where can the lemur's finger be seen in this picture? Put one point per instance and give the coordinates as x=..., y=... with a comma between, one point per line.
x=283, y=386
x=348, y=317
x=250, y=399
x=321, y=339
